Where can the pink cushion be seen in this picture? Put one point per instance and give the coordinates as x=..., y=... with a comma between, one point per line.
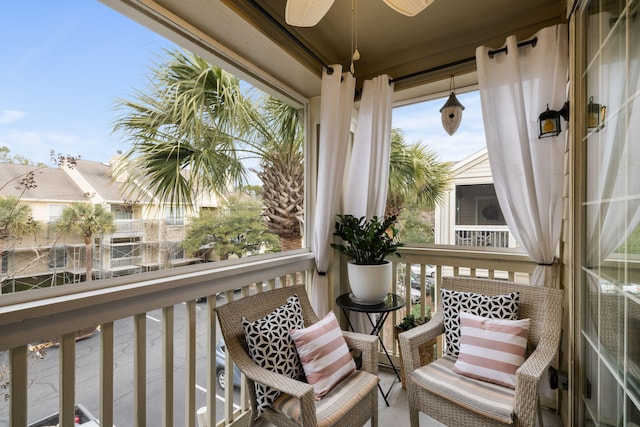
x=491, y=349
x=324, y=354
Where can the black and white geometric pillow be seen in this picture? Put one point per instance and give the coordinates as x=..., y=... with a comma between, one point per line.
x=271, y=346
x=493, y=307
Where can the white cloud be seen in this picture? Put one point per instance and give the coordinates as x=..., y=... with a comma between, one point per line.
x=10, y=116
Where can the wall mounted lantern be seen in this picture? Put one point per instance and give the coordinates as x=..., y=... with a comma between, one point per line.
x=549, y=121
x=595, y=115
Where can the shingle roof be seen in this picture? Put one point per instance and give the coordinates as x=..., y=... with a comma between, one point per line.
x=99, y=176
x=51, y=183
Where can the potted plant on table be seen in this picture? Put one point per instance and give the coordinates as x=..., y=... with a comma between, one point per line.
x=368, y=242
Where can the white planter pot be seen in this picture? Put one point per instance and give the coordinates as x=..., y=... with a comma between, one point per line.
x=369, y=283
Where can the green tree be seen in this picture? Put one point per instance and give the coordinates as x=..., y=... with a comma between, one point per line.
x=417, y=226
x=87, y=219
x=193, y=127
x=416, y=177
x=16, y=221
x=235, y=229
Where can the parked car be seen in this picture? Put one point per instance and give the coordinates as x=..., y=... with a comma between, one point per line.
x=220, y=361
x=429, y=270
x=415, y=281
x=415, y=293
x=82, y=418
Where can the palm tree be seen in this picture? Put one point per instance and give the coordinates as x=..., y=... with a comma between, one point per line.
x=416, y=177
x=86, y=219
x=194, y=128
x=282, y=170
x=15, y=221
x=184, y=131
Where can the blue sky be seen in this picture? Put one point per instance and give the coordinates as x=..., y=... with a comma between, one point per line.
x=65, y=63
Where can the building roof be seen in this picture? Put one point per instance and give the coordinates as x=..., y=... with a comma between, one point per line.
x=99, y=177
x=52, y=183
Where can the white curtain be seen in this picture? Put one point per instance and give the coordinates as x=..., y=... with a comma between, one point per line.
x=338, y=90
x=515, y=87
x=368, y=173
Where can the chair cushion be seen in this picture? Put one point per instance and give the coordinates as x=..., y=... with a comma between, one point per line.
x=492, y=349
x=487, y=399
x=271, y=346
x=338, y=402
x=494, y=307
x=324, y=354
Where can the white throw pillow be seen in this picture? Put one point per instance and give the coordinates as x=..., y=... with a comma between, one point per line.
x=492, y=349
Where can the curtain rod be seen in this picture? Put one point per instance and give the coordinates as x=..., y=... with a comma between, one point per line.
x=531, y=42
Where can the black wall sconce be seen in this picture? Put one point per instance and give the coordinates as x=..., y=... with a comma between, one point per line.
x=549, y=121
x=595, y=115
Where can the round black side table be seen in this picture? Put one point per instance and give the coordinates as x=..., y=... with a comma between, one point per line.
x=380, y=311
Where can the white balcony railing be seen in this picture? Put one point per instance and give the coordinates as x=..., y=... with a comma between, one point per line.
x=60, y=314
x=497, y=237
x=123, y=307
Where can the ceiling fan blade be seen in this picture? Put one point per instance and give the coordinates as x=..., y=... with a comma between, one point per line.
x=306, y=13
x=408, y=7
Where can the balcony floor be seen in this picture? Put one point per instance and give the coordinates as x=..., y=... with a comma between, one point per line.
x=397, y=414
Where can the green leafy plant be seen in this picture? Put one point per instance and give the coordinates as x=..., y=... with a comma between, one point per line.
x=411, y=320
x=367, y=241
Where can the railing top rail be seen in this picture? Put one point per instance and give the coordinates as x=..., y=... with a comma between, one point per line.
x=61, y=309
x=492, y=258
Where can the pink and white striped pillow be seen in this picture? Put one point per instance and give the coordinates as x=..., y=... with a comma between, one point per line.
x=491, y=349
x=324, y=354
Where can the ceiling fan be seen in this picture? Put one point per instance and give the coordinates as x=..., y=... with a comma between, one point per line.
x=307, y=13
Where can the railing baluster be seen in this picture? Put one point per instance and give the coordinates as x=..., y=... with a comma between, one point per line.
x=140, y=369
x=190, y=360
x=18, y=386
x=212, y=339
x=106, y=374
x=67, y=379
x=167, y=365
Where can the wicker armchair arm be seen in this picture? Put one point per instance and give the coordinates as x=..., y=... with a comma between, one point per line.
x=527, y=379
x=290, y=386
x=411, y=340
x=367, y=345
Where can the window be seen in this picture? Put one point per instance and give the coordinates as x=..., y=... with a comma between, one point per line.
x=4, y=262
x=55, y=212
x=478, y=205
x=174, y=216
x=121, y=212
x=609, y=284
x=57, y=258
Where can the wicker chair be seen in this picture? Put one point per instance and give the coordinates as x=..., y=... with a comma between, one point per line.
x=522, y=405
x=352, y=402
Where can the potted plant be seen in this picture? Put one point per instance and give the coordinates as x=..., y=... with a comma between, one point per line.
x=427, y=351
x=368, y=242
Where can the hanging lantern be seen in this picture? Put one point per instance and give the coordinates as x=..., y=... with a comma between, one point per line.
x=549, y=123
x=451, y=112
x=595, y=115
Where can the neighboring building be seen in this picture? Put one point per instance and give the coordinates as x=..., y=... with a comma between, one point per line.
x=147, y=236
x=470, y=214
